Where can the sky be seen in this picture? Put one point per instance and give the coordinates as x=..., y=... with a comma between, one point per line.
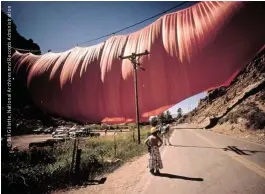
x=188, y=104
x=60, y=26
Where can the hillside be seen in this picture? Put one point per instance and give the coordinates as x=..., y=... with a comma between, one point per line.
x=20, y=95
x=239, y=109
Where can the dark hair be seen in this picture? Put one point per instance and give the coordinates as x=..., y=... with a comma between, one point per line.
x=154, y=123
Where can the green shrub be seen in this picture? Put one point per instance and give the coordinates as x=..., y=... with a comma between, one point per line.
x=43, y=170
x=44, y=156
x=256, y=120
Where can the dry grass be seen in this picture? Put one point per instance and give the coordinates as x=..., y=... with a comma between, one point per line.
x=50, y=168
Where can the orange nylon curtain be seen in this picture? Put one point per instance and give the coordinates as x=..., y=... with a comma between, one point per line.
x=192, y=50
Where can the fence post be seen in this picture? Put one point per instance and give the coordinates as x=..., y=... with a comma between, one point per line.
x=73, y=157
x=115, y=145
x=133, y=136
x=77, y=164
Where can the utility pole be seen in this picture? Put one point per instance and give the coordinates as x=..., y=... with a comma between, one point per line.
x=134, y=58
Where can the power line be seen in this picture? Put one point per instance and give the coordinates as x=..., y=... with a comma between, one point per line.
x=113, y=33
x=19, y=49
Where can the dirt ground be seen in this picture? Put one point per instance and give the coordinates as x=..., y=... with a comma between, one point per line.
x=123, y=180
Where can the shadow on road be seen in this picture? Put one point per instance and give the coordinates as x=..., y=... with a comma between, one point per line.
x=234, y=149
x=238, y=151
x=97, y=182
x=172, y=176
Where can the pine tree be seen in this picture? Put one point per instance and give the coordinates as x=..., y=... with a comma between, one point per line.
x=180, y=113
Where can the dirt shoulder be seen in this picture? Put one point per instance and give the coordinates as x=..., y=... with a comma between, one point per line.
x=122, y=180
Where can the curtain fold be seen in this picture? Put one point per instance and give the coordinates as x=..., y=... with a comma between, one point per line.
x=191, y=50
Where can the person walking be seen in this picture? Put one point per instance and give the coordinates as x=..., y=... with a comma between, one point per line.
x=165, y=134
x=153, y=142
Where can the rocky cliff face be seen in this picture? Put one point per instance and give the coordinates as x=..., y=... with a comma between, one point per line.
x=17, y=40
x=19, y=93
x=238, y=109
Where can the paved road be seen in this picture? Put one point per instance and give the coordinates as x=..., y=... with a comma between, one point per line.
x=202, y=162
x=23, y=141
